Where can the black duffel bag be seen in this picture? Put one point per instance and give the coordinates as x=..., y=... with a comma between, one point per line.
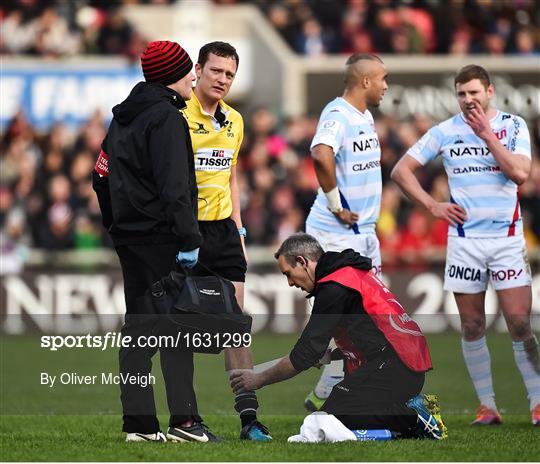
x=201, y=313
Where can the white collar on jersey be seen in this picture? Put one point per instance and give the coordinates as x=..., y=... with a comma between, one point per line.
x=366, y=114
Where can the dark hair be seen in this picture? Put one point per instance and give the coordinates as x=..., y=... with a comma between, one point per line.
x=299, y=244
x=351, y=77
x=362, y=56
x=470, y=72
x=223, y=49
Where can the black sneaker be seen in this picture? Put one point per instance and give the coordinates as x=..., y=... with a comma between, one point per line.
x=196, y=432
x=156, y=437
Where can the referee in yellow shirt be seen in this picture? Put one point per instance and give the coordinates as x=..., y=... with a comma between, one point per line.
x=216, y=132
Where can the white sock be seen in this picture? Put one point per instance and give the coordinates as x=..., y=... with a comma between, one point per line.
x=478, y=362
x=531, y=378
x=332, y=375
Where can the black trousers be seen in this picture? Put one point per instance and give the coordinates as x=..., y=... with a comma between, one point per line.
x=374, y=396
x=142, y=265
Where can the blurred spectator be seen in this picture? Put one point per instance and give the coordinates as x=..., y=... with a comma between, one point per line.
x=415, y=239
x=90, y=20
x=87, y=235
x=282, y=20
x=387, y=226
x=524, y=42
x=383, y=30
x=56, y=231
x=417, y=242
x=16, y=33
x=418, y=23
x=312, y=40
x=494, y=44
x=115, y=36
x=461, y=42
x=52, y=36
x=351, y=28
x=13, y=239
x=529, y=195
x=361, y=43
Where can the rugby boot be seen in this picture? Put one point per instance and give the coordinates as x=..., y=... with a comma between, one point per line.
x=313, y=403
x=255, y=431
x=429, y=421
x=487, y=416
x=535, y=415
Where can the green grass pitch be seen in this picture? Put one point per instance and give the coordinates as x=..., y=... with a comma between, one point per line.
x=82, y=423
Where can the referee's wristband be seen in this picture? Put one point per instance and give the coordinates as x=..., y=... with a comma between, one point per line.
x=242, y=231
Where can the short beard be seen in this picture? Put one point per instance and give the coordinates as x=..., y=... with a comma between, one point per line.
x=373, y=104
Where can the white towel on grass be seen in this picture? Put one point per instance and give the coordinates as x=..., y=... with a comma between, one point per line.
x=321, y=427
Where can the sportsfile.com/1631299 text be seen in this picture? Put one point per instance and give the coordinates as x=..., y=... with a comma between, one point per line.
x=188, y=340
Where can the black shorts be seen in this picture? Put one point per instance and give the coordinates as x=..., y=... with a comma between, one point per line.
x=374, y=396
x=221, y=251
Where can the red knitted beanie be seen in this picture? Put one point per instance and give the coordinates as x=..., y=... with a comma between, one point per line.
x=165, y=62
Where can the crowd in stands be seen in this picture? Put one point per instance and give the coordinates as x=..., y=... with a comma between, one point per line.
x=317, y=27
x=310, y=27
x=53, y=29
x=46, y=197
x=47, y=201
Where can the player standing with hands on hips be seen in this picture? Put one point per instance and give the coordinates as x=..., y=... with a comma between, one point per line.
x=217, y=131
x=145, y=182
x=486, y=154
x=347, y=158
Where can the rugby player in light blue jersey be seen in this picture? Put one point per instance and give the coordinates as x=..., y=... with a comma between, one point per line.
x=347, y=158
x=486, y=154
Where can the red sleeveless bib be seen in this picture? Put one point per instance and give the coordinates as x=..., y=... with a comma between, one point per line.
x=388, y=315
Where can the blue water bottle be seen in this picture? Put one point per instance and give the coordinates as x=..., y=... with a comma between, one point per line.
x=373, y=435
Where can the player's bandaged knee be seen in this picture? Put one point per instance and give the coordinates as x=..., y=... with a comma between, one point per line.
x=533, y=352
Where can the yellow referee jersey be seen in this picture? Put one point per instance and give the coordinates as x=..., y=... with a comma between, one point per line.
x=216, y=151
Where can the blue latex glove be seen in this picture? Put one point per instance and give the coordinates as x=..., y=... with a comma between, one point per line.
x=188, y=258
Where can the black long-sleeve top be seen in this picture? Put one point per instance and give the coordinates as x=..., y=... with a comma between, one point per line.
x=150, y=193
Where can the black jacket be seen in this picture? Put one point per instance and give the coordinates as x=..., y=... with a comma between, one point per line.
x=337, y=305
x=150, y=193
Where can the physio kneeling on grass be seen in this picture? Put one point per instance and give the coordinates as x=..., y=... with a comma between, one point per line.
x=386, y=355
